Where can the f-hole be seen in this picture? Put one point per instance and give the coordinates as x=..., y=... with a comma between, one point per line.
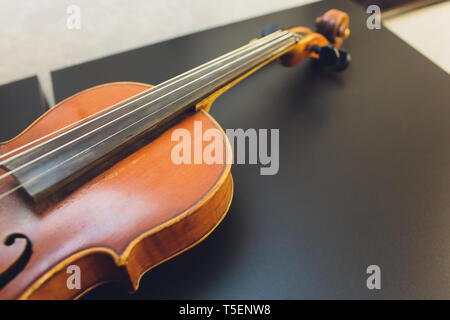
x=19, y=264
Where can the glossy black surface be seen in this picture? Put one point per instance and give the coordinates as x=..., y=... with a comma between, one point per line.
x=364, y=169
x=21, y=102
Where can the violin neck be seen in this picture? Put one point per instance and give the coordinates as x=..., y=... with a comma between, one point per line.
x=53, y=163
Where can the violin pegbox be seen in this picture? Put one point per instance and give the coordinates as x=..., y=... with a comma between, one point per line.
x=332, y=29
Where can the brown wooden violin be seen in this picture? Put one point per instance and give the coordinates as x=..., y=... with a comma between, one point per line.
x=90, y=185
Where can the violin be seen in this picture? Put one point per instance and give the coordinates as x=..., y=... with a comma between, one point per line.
x=89, y=188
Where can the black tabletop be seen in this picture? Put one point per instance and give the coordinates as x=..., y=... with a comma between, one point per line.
x=21, y=102
x=364, y=176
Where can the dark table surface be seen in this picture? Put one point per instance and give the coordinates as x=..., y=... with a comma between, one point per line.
x=364, y=169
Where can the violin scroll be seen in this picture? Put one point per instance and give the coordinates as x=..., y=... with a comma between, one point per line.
x=334, y=26
x=324, y=44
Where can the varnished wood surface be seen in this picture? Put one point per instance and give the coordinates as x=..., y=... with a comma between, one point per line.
x=135, y=215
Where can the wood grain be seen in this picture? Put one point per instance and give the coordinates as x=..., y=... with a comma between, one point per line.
x=138, y=213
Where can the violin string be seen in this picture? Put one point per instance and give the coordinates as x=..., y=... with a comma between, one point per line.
x=281, y=39
x=87, y=149
x=116, y=119
x=5, y=155
x=92, y=146
x=125, y=115
x=147, y=92
x=131, y=100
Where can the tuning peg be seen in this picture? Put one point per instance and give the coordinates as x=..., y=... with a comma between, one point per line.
x=343, y=61
x=338, y=59
x=271, y=29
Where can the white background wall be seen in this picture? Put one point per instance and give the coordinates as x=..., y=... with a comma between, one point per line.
x=34, y=38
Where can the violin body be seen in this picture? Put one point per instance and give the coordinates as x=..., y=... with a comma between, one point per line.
x=140, y=212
